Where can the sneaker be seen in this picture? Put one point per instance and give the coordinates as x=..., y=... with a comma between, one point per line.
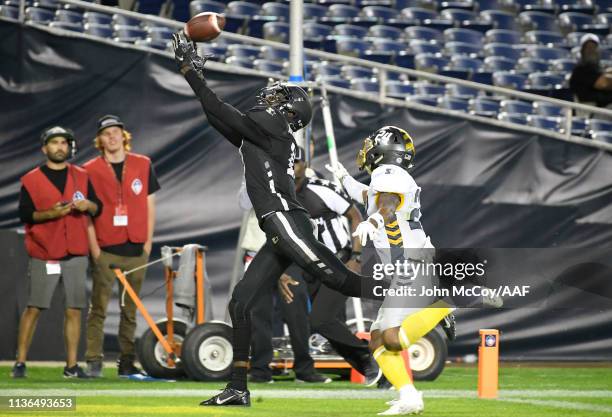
x=75, y=372
x=410, y=405
x=19, y=370
x=94, y=369
x=448, y=325
x=383, y=383
x=313, y=378
x=261, y=379
x=126, y=367
x=229, y=396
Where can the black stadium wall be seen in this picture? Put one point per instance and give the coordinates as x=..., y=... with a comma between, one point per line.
x=483, y=186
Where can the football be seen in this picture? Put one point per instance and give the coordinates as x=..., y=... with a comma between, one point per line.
x=205, y=26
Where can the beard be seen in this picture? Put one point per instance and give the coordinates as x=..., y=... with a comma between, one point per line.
x=58, y=157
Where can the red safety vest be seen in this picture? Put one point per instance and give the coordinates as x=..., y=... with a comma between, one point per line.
x=55, y=239
x=132, y=193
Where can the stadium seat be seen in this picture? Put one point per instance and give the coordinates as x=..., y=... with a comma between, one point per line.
x=405, y=59
x=602, y=137
x=153, y=43
x=97, y=18
x=424, y=47
x=600, y=126
x=199, y=6
x=563, y=65
x=268, y=66
x=544, y=122
x=75, y=27
x=9, y=11
x=218, y=51
x=543, y=37
x=454, y=103
x=579, y=127
x=425, y=88
x=574, y=21
x=365, y=85
x=329, y=69
x=516, y=107
x=545, y=81
x=315, y=34
x=604, y=19
x=544, y=108
x=129, y=34
x=424, y=100
x=37, y=15
x=276, y=31
x=385, y=32
x=537, y=21
x=509, y=80
x=546, y=53
x=499, y=19
x=463, y=35
x=430, y=62
x=462, y=48
x=390, y=46
x=278, y=10
x=419, y=14
x=69, y=16
x=425, y=4
x=160, y=33
x=499, y=63
x=486, y=107
x=352, y=31
x=460, y=91
x=500, y=49
x=352, y=47
x=423, y=34
x=528, y=65
x=314, y=11
x=520, y=119
x=335, y=81
x=510, y=37
x=573, y=39
x=245, y=51
x=438, y=24
x=379, y=12
x=98, y=29
x=52, y=5
x=235, y=61
x=122, y=20
x=342, y=13
x=459, y=4
x=463, y=63
x=180, y=11
x=399, y=89
x=237, y=14
x=482, y=5
x=355, y=71
x=457, y=16
x=571, y=6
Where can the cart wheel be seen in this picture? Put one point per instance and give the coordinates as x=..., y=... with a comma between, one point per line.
x=207, y=352
x=428, y=356
x=153, y=356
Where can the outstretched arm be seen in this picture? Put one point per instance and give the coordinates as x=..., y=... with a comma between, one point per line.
x=387, y=204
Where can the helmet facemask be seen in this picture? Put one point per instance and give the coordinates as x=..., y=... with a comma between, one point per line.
x=294, y=106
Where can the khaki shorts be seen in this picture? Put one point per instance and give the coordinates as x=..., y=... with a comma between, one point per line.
x=42, y=286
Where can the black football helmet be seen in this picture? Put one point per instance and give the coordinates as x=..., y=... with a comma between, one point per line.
x=388, y=145
x=291, y=101
x=56, y=131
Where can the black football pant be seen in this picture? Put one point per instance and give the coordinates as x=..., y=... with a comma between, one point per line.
x=289, y=239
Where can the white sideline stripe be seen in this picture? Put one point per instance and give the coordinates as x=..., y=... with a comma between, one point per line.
x=564, y=404
x=505, y=395
x=297, y=240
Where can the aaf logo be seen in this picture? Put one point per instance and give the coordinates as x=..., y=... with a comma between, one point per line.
x=137, y=186
x=78, y=196
x=490, y=340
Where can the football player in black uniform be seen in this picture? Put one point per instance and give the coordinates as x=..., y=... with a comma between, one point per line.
x=265, y=140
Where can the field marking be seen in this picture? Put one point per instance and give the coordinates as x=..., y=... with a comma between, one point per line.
x=507, y=395
x=563, y=404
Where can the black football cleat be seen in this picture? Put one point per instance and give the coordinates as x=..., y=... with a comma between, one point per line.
x=229, y=396
x=448, y=325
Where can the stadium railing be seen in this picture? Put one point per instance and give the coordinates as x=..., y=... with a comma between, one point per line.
x=382, y=70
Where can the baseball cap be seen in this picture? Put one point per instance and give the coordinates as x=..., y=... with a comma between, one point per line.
x=108, y=121
x=55, y=131
x=589, y=37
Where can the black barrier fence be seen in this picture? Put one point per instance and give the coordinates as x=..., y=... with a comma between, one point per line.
x=483, y=186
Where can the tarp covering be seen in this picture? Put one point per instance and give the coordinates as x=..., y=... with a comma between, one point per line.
x=483, y=186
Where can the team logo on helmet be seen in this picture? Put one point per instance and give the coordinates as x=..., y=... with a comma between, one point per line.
x=388, y=145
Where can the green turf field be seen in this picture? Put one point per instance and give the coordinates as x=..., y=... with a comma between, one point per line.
x=524, y=391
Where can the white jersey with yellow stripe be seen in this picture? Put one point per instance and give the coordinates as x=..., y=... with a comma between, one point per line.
x=407, y=231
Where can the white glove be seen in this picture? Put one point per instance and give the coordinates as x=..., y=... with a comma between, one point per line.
x=338, y=170
x=366, y=230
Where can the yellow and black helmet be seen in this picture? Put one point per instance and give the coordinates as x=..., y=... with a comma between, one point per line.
x=389, y=145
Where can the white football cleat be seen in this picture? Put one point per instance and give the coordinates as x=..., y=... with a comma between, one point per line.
x=411, y=405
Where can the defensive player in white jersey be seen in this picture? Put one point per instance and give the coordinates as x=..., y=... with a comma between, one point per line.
x=393, y=205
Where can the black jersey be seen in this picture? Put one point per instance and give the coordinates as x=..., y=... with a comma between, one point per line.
x=266, y=146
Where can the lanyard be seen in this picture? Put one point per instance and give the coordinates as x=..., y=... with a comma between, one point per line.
x=117, y=181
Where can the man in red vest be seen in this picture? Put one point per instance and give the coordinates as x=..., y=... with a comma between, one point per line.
x=55, y=203
x=121, y=235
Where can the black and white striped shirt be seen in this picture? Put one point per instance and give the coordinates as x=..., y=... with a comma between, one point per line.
x=327, y=204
